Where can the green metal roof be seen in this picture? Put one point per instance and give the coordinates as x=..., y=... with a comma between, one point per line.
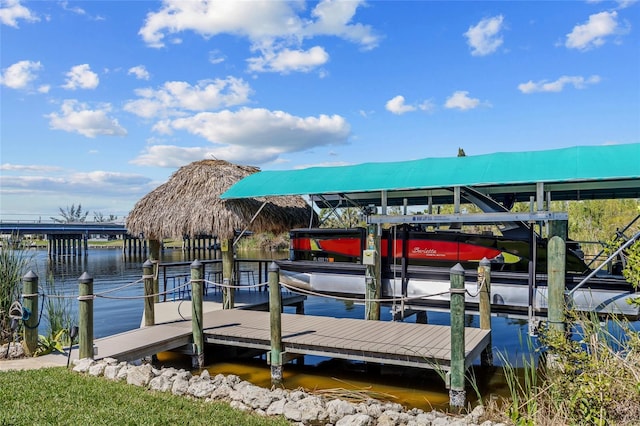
x=581, y=172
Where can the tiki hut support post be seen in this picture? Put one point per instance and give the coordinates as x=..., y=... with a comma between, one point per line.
x=228, y=292
x=149, y=305
x=154, y=257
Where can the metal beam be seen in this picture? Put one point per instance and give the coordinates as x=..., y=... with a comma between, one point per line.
x=473, y=218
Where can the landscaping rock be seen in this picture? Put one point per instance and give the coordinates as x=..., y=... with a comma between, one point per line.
x=297, y=406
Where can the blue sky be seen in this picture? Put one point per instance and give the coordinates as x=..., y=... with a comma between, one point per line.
x=100, y=101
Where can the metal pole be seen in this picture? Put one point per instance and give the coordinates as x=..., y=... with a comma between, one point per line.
x=149, y=300
x=484, y=280
x=30, y=303
x=196, y=314
x=457, y=393
x=85, y=309
x=275, y=322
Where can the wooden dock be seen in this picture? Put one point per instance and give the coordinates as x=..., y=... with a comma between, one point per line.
x=398, y=343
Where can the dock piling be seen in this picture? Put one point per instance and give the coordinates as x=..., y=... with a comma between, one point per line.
x=227, y=273
x=457, y=393
x=149, y=291
x=197, y=360
x=85, y=312
x=484, y=284
x=556, y=282
x=30, y=304
x=275, y=319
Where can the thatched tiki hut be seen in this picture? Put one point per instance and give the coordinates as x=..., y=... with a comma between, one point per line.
x=188, y=205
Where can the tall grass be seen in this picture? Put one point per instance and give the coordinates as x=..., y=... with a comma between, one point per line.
x=14, y=262
x=592, y=378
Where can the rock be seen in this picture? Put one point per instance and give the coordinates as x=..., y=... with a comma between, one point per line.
x=476, y=414
x=257, y=397
x=306, y=410
x=97, y=369
x=124, y=369
x=337, y=409
x=140, y=376
x=201, y=388
x=111, y=371
x=161, y=383
x=277, y=407
x=355, y=420
x=180, y=385
x=221, y=391
x=83, y=365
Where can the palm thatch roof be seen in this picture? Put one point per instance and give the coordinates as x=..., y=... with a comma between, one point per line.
x=188, y=204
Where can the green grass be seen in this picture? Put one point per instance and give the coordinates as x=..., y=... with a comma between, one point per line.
x=57, y=396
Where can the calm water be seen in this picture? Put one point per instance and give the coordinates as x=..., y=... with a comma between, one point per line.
x=417, y=388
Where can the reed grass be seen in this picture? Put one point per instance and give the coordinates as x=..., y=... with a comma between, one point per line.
x=591, y=378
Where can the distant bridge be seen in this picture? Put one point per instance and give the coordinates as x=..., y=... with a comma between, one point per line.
x=56, y=228
x=71, y=239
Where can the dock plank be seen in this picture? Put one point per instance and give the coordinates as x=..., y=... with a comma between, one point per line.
x=411, y=344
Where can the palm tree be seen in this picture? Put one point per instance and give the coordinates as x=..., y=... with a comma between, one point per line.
x=71, y=215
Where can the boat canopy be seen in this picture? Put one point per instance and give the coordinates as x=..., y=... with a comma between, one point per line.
x=580, y=172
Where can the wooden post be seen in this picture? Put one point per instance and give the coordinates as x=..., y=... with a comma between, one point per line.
x=85, y=310
x=373, y=288
x=484, y=281
x=154, y=257
x=149, y=290
x=30, y=303
x=275, y=322
x=457, y=393
x=559, y=228
x=227, y=273
x=196, y=314
x=556, y=255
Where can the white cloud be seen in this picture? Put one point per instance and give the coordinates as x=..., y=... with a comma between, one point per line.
x=334, y=19
x=484, y=37
x=286, y=60
x=140, y=72
x=29, y=168
x=397, y=106
x=248, y=135
x=11, y=11
x=461, y=100
x=98, y=183
x=593, y=33
x=175, y=97
x=275, y=29
x=76, y=117
x=20, y=74
x=81, y=77
x=578, y=82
